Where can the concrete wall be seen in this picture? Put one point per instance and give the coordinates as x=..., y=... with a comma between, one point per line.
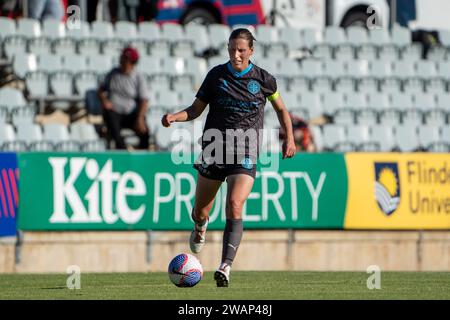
x=7, y=254
x=260, y=250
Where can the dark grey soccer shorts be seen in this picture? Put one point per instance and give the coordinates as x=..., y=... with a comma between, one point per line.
x=221, y=171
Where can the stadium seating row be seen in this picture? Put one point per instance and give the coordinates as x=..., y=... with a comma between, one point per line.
x=12, y=101
x=186, y=40
x=29, y=136
x=374, y=108
x=215, y=33
x=404, y=138
x=283, y=67
x=159, y=48
x=101, y=64
x=186, y=48
x=363, y=68
x=386, y=85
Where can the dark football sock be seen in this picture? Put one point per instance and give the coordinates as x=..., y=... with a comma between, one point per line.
x=232, y=236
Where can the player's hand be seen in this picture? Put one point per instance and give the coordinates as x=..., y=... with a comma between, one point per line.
x=167, y=119
x=288, y=149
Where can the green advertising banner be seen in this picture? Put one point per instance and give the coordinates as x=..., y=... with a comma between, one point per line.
x=141, y=191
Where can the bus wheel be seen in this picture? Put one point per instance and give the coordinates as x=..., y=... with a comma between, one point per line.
x=199, y=16
x=355, y=18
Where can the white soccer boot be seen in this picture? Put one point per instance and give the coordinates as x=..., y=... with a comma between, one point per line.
x=198, y=237
x=222, y=275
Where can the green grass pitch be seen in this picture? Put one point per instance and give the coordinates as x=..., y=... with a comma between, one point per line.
x=248, y=285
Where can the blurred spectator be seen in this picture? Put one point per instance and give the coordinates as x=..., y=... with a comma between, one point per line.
x=45, y=9
x=92, y=10
x=124, y=100
x=123, y=10
x=148, y=9
x=304, y=140
x=428, y=39
x=405, y=11
x=10, y=8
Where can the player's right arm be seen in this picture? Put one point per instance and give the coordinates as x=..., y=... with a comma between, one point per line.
x=188, y=114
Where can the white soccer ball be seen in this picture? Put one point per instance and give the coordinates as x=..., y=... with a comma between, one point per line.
x=185, y=270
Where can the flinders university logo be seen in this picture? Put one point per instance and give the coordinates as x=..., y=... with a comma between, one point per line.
x=387, y=186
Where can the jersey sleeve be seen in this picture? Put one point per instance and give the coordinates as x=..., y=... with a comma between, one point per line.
x=206, y=89
x=271, y=88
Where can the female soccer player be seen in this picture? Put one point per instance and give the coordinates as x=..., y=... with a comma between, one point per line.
x=236, y=93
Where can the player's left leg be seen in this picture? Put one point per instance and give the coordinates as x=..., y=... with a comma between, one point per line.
x=205, y=194
x=239, y=187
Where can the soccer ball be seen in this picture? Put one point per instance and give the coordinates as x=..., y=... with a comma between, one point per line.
x=185, y=270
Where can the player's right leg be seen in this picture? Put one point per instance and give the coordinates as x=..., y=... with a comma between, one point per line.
x=205, y=193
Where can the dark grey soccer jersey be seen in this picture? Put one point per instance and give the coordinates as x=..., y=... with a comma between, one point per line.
x=236, y=101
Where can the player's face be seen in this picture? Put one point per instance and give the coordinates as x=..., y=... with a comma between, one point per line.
x=240, y=52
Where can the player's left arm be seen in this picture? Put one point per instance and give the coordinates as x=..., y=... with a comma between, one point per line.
x=285, y=122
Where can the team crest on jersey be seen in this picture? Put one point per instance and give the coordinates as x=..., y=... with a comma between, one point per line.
x=387, y=186
x=253, y=87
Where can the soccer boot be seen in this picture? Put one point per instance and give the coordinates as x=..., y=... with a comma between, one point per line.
x=222, y=275
x=198, y=237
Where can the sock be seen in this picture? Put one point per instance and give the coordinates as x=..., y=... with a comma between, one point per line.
x=232, y=236
x=200, y=224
